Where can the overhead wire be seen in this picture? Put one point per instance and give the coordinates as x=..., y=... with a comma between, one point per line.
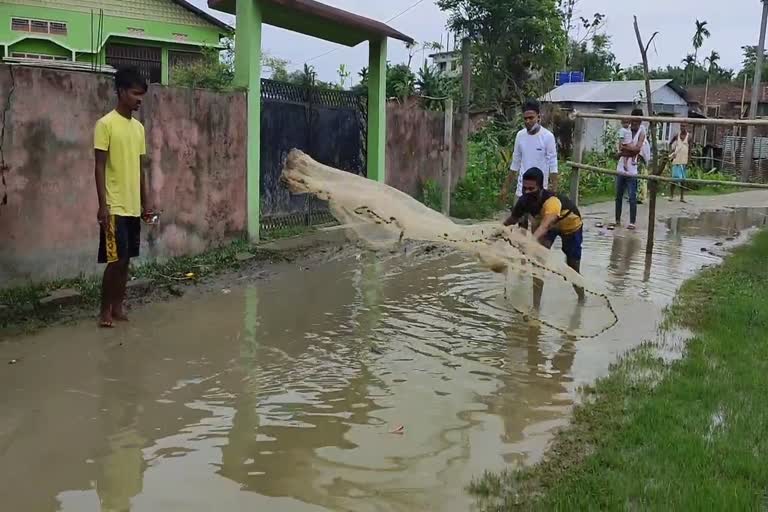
x=401, y=13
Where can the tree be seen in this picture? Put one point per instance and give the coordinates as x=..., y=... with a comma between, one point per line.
x=517, y=45
x=401, y=81
x=617, y=73
x=415, y=47
x=412, y=48
x=577, y=32
x=712, y=60
x=362, y=86
x=689, y=61
x=277, y=68
x=435, y=87
x=701, y=33
x=344, y=74
x=596, y=58
x=210, y=71
x=749, y=60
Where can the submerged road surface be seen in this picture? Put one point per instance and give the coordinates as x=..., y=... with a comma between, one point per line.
x=360, y=384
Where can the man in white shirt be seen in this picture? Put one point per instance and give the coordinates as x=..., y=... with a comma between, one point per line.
x=534, y=147
x=626, y=181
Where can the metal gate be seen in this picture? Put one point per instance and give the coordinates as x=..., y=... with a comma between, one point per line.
x=330, y=126
x=147, y=59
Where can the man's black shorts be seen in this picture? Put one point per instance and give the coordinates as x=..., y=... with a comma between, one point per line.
x=119, y=239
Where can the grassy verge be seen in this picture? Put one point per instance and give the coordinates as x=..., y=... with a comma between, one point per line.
x=690, y=435
x=21, y=305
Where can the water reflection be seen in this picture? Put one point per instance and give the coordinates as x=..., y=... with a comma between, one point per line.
x=121, y=468
x=282, y=395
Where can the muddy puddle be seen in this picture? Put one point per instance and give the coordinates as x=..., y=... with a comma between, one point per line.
x=284, y=395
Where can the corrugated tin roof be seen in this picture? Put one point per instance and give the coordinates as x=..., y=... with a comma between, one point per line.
x=66, y=65
x=719, y=94
x=627, y=91
x=206, y=16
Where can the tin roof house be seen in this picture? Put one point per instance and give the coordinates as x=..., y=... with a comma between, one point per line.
x=618, y=97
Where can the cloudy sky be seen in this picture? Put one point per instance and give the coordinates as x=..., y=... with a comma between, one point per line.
x=673, y=19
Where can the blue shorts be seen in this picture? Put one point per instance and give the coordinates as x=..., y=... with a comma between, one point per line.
x=679, y=172
x=571, y=243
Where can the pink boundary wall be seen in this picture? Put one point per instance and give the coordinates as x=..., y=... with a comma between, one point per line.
x=196, y=148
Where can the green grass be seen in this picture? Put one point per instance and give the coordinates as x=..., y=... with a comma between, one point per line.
x=690, y=435
x=21, y=304
x=286, y=232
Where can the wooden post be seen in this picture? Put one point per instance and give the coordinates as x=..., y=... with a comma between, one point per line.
x=578, y=133
x=447, y=156
x=652, y=186
x=747, y=160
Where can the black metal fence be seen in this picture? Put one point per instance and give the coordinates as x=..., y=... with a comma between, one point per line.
x=328, y=125
x=147, y=59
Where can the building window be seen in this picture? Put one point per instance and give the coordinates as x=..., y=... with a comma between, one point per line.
x=37, y=56
x=442, y=66
x=55, y=28
x=58, y=29
x=19, y=25
x=147, y=59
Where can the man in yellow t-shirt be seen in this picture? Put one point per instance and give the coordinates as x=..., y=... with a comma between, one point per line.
x=122, y=190
x=553, y=215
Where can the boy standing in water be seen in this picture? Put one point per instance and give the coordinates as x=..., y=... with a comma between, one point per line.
x=122, y=191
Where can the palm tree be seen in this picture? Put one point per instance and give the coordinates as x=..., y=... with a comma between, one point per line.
x=702, y=32
x=412, y=49
x=689, y=60
x=713, y=59
x=617, y=72
x=343, y=73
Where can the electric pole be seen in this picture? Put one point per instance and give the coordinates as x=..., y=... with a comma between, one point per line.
x=750, y=142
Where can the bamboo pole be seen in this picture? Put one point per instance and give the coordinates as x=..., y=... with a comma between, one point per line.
x=665, y=179
x=687, y=120
x=655, y=171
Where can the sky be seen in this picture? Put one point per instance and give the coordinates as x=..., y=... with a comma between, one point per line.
x=422, y=20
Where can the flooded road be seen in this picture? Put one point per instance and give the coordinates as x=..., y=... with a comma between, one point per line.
x=283, y=395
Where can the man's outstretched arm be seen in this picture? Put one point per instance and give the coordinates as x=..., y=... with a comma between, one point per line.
x=546, y=224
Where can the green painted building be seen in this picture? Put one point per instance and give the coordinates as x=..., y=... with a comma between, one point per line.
x=153, y=35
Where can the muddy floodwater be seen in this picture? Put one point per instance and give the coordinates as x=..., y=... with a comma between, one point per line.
x=361, y=384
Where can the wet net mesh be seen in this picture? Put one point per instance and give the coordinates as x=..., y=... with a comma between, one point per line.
x=382, y=217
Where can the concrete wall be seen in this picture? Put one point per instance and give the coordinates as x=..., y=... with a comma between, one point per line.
x=414, y=147
x=196, y=152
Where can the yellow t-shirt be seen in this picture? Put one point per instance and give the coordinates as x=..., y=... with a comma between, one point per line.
x=123, y=140
x=569, y=222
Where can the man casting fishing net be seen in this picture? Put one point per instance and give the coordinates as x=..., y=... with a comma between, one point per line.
x=384, y=217
x=553, y=215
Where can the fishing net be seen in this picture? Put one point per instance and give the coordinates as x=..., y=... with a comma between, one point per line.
x=382, y=217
